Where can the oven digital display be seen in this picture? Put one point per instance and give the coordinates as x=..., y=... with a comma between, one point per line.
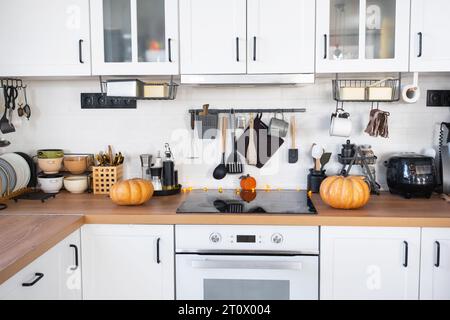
x=246, y=238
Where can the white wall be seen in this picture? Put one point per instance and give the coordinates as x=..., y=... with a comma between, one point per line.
x=59, y=122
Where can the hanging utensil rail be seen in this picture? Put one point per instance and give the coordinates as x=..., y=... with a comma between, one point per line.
x=272, y=110
x=12, y=82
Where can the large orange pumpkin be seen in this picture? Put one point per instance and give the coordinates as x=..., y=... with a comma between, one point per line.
x=350, y=192
x=132, y=192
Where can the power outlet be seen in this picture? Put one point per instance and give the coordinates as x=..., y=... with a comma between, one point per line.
x=101, y=101
x=438, y=98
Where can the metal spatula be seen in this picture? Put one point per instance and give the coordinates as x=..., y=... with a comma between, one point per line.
x=234, y=164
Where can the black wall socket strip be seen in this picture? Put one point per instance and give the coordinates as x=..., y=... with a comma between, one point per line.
x=101, y=101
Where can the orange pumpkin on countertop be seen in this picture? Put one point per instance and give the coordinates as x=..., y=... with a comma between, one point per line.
x=340, y=192
x=131, y=192
x=248, y=183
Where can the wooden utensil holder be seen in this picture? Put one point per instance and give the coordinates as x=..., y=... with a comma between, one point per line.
x=103, y=178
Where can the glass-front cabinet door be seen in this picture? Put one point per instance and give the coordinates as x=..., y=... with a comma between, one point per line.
x=134, y=37
x=362, y=35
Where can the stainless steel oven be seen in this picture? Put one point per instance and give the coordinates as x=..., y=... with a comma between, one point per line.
x=247, y=262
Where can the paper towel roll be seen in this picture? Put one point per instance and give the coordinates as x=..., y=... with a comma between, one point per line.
x=411, y=93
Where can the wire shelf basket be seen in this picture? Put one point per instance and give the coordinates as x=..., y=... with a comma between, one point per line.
x=144, y=90
x=367, y=90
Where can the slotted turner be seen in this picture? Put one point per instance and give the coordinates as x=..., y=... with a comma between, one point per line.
x=234, y=164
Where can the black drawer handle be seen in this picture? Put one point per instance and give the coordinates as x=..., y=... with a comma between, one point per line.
x=38, y=276
x=169, y=44
x=76, y=257
x=80, y=50
x=420, y=34
x=237, y=49
x=325, y=46
x=158, y=260
x=254, y=48
x=405, y=263
x=438, y=254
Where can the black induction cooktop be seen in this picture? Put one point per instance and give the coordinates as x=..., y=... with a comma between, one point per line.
x=260, y=202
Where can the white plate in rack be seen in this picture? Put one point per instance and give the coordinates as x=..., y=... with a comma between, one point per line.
x=21, y=168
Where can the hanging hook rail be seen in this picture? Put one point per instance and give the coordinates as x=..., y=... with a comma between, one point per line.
x=272, y=110
x=12, y=82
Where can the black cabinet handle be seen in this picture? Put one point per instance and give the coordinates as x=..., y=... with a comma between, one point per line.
x=76, y=257
x=405, y=263
x=80, y=50
x=237, y=49
x=325, y=46
x=158, y=260
x=438, y=254
x=38, y=276
x=169, y=45
x=420, y=44
x=254, y=48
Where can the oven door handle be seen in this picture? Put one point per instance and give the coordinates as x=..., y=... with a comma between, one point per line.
x=246, y=264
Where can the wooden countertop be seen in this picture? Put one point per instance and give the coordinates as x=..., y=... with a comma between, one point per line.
x=23, y=238
x=29, y=228
x=384, y=210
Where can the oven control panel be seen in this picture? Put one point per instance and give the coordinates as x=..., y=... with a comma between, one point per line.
x=247, y=238
x=276, y=238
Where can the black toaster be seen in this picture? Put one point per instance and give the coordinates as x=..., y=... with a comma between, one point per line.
x=411, y=175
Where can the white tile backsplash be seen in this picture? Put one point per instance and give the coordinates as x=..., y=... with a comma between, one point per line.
x=59, y=122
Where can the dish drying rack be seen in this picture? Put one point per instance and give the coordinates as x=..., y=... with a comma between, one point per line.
x=172, y=89
x=390, y=87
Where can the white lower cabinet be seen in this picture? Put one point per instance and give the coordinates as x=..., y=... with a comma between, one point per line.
x=369, y=263
x=128, y=261
x=435, y=264
x=54, y=275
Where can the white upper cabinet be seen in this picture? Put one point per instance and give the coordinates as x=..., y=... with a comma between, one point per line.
x=369, y=263
x=280, y=35
x=247, y=37
x=213, y=36
x=128, y=262
x=44, y=38
x=435, y=267
x=430, y=26
x=362, y=36
x=134, y=37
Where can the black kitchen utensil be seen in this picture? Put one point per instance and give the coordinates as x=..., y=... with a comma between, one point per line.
x=267, y=145
x=221, y=170
x=13, y=93
x=5, y=125
x=293, y=152
x=234, y=164
x=325, y=159
x=25, y=110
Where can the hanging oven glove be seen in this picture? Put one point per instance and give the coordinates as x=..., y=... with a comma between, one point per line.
x=373, y=123
x=384, y=127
